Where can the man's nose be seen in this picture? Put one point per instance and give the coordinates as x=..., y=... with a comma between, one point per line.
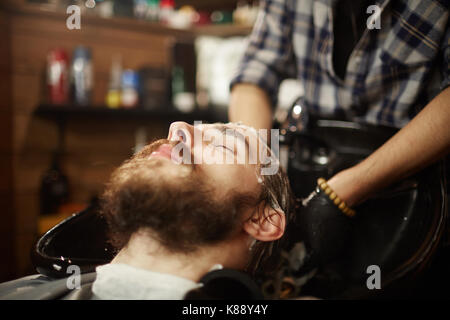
x=182, y=131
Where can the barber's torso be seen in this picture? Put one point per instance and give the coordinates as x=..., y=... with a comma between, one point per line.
x=391, y=73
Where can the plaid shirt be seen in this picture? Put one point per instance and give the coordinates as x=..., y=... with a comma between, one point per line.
x=392, y=73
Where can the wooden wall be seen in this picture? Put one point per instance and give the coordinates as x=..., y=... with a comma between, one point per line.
x=7, y=266
x=93, y=146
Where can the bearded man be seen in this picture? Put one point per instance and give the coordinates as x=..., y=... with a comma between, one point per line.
x=185, y=205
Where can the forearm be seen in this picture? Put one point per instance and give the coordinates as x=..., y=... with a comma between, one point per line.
x=424, y=140
x=250, y=105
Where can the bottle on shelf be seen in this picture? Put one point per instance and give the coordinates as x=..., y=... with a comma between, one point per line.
x=182, y=100
x=82, y=76
x=58, y=77
x=153, y=10
x=130, y=89
x=167, y=9
x=140, y=9
x=54, y=188
x=113, y=94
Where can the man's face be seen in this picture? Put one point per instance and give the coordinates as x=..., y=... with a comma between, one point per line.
x=224, y=155
x=201, y=201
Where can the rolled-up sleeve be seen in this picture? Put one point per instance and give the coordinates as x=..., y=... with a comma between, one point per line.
x=446, y=59
x=269, y=57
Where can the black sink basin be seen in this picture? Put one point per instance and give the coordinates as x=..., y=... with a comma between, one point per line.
x=78, y=240
x=397, y=230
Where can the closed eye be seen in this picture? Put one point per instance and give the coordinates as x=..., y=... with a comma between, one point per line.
x=223, y=147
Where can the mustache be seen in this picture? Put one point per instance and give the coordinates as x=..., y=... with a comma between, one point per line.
x=146, y=151
x=156, y=144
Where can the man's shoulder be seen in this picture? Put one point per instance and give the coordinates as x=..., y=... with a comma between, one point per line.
x=41, y=287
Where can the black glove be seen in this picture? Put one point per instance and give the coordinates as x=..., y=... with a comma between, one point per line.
x=324, y=228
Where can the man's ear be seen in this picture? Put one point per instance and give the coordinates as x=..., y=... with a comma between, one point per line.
x=268, y=226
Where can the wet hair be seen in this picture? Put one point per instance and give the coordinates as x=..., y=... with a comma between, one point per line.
x=277, y=194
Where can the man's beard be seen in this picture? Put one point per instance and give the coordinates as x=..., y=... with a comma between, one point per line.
x=182, y=214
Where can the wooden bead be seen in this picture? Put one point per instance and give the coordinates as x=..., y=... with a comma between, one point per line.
x=322, y=184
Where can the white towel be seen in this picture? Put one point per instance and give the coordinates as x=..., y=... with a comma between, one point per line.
x=124, y=282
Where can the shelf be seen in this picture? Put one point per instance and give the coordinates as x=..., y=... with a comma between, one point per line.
x=220, y=30
x=67, y=112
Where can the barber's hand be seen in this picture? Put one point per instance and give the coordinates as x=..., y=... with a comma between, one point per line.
x=324, y=226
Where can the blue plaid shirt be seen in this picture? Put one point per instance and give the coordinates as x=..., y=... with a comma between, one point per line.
x=392, y=73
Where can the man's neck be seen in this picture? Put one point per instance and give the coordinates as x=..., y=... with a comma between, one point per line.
x=144, y=253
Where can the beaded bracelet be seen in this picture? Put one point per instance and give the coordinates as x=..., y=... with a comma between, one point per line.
x=321, y=182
